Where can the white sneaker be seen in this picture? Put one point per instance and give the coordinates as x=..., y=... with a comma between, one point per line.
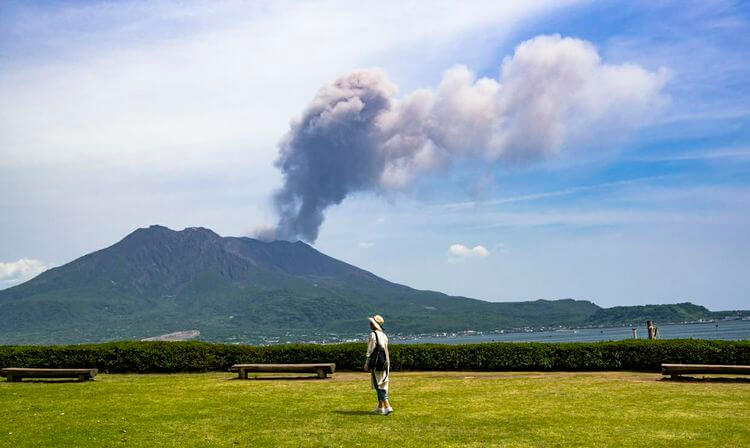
x=377, y=410
x=387, y=410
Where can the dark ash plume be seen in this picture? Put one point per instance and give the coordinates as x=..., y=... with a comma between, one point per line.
x=331, y=151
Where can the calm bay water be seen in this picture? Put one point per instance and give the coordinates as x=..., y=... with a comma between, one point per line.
x=732, y=330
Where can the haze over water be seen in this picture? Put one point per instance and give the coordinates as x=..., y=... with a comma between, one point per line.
x=732, y=330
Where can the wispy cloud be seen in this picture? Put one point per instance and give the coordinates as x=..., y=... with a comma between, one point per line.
x=545, y=194
x=126, y=80
x=705, y=45
x=710, y=154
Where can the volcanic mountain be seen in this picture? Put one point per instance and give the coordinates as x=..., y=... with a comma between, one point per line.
x=157, y=280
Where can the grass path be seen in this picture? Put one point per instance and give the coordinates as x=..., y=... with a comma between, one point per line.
x=433, y=409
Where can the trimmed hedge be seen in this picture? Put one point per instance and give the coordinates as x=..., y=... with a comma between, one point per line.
x=145, y=357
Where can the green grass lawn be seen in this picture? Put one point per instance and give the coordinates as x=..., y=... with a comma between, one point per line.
x=432, y=409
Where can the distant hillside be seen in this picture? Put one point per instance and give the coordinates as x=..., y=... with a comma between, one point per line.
x=630, y=315
x=158, y=281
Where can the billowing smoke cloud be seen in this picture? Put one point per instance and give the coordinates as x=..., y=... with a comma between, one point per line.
x=553, y=92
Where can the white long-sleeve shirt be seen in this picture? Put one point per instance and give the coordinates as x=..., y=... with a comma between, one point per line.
x=382, y=378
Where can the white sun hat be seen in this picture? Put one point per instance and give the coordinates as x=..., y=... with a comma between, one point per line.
x=377, y=321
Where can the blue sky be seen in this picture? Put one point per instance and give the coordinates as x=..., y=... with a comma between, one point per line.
x=119, y=115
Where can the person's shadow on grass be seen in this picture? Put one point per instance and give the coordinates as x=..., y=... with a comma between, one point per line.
x=342, y=412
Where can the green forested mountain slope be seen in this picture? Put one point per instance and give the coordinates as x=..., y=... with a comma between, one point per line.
x=158, y=280
x=625, y=315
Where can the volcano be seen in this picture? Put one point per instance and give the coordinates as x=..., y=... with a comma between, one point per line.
x=157, y=280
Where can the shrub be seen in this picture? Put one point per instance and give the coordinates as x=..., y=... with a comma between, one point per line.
x=144, y=357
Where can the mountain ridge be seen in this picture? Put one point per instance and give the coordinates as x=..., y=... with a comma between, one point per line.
x=157, y=280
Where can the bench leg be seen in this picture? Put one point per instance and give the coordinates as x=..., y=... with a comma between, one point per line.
x=242, y=374
x=321, y=374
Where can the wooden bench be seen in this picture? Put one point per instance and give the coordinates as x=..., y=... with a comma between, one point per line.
x=321, y=369
x=675, y=370
x=15, y=374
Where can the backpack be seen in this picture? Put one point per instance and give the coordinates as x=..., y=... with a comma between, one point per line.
x=377, y=357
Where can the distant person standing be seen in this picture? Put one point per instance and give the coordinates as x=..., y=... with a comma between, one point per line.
x=378, y=363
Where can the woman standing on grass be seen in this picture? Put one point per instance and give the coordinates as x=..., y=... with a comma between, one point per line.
x=379, y=364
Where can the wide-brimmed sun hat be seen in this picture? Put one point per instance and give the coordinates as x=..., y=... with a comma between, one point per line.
x=377, y=321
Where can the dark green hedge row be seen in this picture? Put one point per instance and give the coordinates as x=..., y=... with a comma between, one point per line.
x=198, y=356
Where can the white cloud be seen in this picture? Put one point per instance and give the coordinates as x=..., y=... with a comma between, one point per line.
x=144, y=80
x=19, y=271
x=461, y=252
x=365, y=245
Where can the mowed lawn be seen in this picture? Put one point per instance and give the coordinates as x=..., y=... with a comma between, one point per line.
x=432, y=409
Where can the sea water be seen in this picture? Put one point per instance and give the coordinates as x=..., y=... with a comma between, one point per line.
x=730, y=330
